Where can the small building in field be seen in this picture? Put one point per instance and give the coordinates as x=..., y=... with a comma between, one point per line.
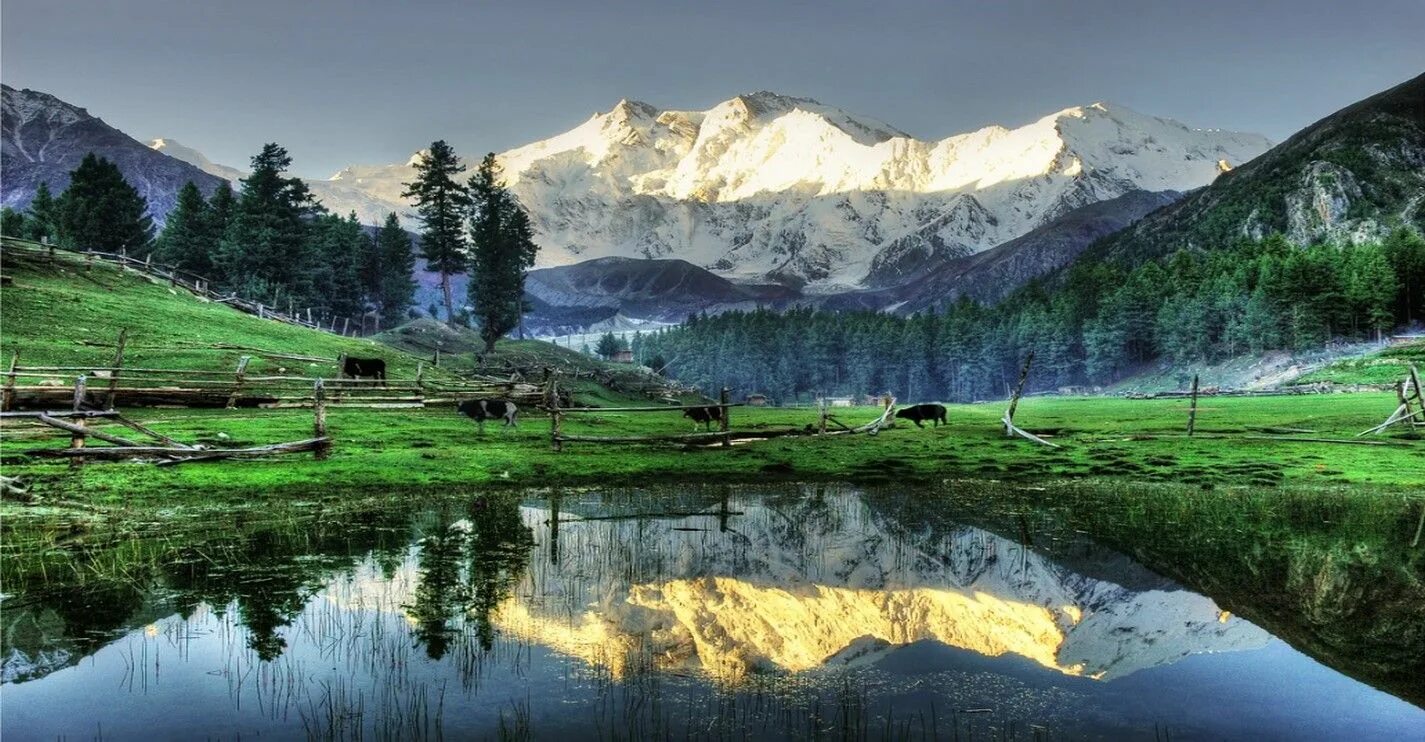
x=839, y=401
x=756, y=400
x=623, y=356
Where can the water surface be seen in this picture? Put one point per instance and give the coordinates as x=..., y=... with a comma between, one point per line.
x=788, y=611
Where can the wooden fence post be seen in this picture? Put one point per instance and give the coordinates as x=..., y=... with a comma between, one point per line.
x=722, y=400
x=556, y=432
x=89, y=260
x=114, y=373
x=1014, y=399
x=237, y=381
x=345, y=323
x=7, y=402
x=437, y=357
x=319, y=420
x=1192, y=407
x=76, y=440
x=821, y=428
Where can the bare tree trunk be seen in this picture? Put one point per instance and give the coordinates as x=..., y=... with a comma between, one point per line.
x=449, y=301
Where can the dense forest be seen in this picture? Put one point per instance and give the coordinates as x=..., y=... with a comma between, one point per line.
x=1091, y=325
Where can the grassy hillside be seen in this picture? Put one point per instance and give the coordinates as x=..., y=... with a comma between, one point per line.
x=63, y=313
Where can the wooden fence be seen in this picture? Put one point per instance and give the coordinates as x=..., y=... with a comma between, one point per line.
x=48, y=387
x=724, y=435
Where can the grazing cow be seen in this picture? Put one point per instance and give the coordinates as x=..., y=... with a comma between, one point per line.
x=357, y=368
x=705, y=415
x=916, y=413
x=481, y=410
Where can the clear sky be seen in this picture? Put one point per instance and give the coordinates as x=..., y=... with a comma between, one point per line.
x=343, y=82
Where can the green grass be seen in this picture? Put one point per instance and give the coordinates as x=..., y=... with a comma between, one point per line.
x=1389, y=366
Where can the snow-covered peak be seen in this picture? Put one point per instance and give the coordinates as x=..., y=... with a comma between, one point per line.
x=173, y=148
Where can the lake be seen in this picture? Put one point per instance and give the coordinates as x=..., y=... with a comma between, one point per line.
x=785, y=611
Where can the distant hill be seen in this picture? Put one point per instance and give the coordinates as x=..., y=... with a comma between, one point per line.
x=1353, y=175
x=44, y=138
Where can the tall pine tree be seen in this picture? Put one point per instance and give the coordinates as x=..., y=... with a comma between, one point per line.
x=442, y=204
x=100, y=210
x=187, y=240
x=264, y=252
x=503, y=249
x=43, y=224
x=396, y=268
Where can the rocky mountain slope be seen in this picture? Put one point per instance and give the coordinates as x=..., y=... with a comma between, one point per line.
x=43, y=139
x=991, y=275
x=769, y=187
x=1350, y=176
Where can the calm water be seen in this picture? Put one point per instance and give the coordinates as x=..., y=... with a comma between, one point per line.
x=786, y=613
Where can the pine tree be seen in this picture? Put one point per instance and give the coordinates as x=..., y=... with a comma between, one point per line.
x=43, y=222
x=397, y=270
x=264, y=250
x=100, y=210
x=187, y=240
x=13, y=223
x=503, y=249
x=441, y=204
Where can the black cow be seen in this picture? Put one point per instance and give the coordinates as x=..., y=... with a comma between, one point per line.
x=481, y=410
x=705, y=415
x=357, y=368
x=916, y=413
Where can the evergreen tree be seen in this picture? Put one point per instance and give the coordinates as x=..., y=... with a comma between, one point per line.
x=13, y=223
x=43, y=222
x=502, y=250
x=397, y=265
x=441, y=204
x=188, y=240
x=609, y=345
x=264, y=250
x=100, y=210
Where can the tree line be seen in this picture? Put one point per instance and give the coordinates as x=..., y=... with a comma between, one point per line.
x=1092, y=325
x=271, y=241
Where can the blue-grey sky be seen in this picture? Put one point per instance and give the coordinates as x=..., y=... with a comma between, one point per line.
x=342, y=82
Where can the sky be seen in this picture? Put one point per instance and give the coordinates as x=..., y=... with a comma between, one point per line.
x=371, y=82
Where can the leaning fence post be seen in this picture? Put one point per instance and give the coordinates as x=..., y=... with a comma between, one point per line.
x=237, y=381
x=114, y=373
x=1192, y=407
x=7, y=402
x=319, y=420
x=76, y=439
x=556, y=437
x=1014, y=399
x=722, y=401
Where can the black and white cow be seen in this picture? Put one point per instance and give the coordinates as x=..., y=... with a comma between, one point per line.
x=481, y=410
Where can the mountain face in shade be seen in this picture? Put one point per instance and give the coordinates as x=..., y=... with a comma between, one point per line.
x=1353, y=175
x=993, y=274
x=45, y=138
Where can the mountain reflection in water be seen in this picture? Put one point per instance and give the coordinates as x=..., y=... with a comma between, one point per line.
x=788, y=612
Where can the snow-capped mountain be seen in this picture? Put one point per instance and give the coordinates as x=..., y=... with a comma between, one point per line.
x=765, y=186
x=44, y=138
